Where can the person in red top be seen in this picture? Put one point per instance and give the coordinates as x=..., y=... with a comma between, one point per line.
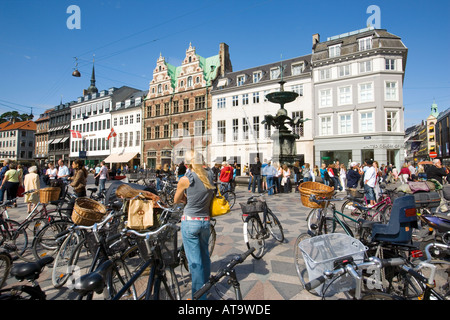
x=404, y=174
x=226, y=175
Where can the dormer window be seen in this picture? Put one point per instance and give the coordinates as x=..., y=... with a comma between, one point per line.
x=257, y=76
x=365, y=43
x=297, y=68
x=334, y=51
x=274, y=73
x=240, y=80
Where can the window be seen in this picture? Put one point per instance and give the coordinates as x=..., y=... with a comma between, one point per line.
x=166, y=131
x=297, y=69
x=365, y=66
x=138, y=139
x=334, y=51
x=255, y=97
x=391, y=92
x=325, y=125
x=325, y=74
x=298, y=129
x=344, y=71
x=275, y=73
x=120, y=140
x=345, y=95
x=199, y=127
x=245, y=99
x=244, y=129
x=157, y=110
x=240, y=80
x=131, y=121
x=138, y=119
x=298, y=89
x=175, y=130
x=221, y=131
x=365, y=92
x=126, y=120
x=235, y=129
x=175, y=106
x=256, y=127
x=221, y=103
x=365, y=44
x=121, y=121
x=390, y=64
x=185, y=105
x=200, y=103
x=185, y=128
x=235, y=101
x=125, y=140
x=166, y=108
x=157, y=132
x=325, y=98
x=366, y=121
x=345, y=123
x=189, y=81
x=392, y=121
x=257, y=76
x=159, y=88
x=148, y=134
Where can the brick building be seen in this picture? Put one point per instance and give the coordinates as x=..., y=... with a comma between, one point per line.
x=177, y=109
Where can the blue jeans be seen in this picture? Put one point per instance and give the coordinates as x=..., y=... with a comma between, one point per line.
x=256, y=180
x=270, y=184
x=249, y=182
x=195, y=241
x=102, y=183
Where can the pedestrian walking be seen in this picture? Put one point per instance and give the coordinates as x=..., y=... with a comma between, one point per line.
x=79, y=178
x=31, y=182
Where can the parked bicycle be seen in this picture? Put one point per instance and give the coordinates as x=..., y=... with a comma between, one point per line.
x=158, y=251
x=224, y=189
x=29, y=271
x=256, y=228
x=230, y=272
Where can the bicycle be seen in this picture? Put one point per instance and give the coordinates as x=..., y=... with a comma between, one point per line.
x=228, y=271
x=167, y=192
x=256, y=229
x=157, y=250
x=29, y=271
x=83, y=248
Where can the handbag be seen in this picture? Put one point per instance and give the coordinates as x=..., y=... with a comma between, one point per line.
x=20, y=191
x=140, y=214
x=219, y=205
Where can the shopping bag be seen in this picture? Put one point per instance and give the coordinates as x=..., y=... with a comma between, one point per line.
x=140, y=214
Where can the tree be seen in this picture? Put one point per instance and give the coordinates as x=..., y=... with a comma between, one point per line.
x=14, y=116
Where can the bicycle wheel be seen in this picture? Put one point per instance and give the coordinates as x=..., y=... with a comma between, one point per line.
x=118, y=276
x=300, y=265
x=5, y=266
x=45, y=244
x=61, y=266
x=350, y=210
x=133, y=259
x=13, y=238
x=254, y=236
x=230, y=196
x=169, y=288
x=274, y=226
x=32, y=228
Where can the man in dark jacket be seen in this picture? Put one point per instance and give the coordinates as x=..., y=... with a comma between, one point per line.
x=436, y=171
x=353, y=176
x=255, y=173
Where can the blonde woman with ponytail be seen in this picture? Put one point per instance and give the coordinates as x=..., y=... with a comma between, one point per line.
x=196, y=190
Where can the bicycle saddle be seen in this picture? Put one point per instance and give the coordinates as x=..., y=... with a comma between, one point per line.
x=94, y=281
x=92, y=189
x=30, y=270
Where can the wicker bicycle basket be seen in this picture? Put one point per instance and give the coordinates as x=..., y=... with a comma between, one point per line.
x=49, y=194
x=314, y=188
x=87, y=211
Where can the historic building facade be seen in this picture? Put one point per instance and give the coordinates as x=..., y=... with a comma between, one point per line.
x=177, y=109
x=358, y=97
x=240, y=104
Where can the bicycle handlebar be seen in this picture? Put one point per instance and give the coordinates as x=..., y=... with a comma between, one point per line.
x=351, y=269
x=224, y=271
x=314, y=199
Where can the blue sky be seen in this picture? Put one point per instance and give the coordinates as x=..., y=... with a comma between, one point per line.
x=37, y=49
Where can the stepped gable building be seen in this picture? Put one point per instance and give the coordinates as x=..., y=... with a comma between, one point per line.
x=177, y=109
x=358, y=97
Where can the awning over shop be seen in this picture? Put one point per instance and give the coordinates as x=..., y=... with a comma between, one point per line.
x=57, y=140
x=120, y=158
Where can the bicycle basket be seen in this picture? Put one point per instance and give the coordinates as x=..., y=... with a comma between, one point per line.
x=319, y=254
x=253, y=207
x=314, y=188
x=168, y=244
